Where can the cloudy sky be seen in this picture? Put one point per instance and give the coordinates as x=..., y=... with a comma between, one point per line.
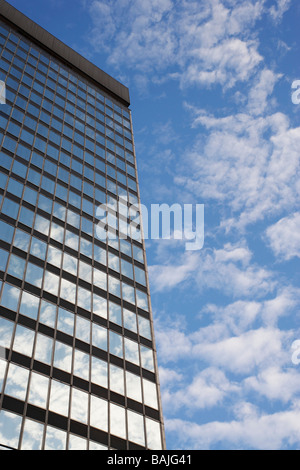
x=216, y=122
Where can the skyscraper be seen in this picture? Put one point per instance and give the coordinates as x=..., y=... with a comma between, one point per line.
x=77, y=353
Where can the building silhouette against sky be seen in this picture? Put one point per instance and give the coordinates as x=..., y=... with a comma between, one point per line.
x=77, y=354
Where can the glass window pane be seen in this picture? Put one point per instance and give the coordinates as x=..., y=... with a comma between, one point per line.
x=43, y=348
x=115, y=344
x=83, y=329
x=65, y=321
x=117, y=421
x=38, y=390
x=55, y=439
x=23, y=341
x=79, y=406
x=21, y=240
x=12, y=425
x=133, y=386
x=99, y=372
x=6, y=330
x=63, y=356
x=16, y=383
x=153, y=434
x=136, y=431
x=59, y=398
x=32, y=435
x=99, y=306
x=48, y=313
x=116, y=379
x=29, y=305
x=99, y=413
x=10, y=297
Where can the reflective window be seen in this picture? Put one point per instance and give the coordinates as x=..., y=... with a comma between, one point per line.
x=117, y=421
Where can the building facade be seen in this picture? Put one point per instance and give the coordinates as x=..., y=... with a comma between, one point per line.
x=78, y=365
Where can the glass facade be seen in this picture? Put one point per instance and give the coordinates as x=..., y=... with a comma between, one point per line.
x=77, y=354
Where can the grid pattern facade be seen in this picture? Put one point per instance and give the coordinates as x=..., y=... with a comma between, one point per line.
x=77, y=354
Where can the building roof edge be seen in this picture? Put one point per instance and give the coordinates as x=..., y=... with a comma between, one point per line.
x=56, y=46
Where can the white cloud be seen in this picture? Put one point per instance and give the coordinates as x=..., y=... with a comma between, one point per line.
x=276, y=384
x=208, y=388
x=228, y=269
x=242, y=163
x=242, y=354
x=278, y=10
x=252, y=430
x=205, y=42
x=284, y=237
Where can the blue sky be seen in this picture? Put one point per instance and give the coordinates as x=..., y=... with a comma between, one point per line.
x=214, y=124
